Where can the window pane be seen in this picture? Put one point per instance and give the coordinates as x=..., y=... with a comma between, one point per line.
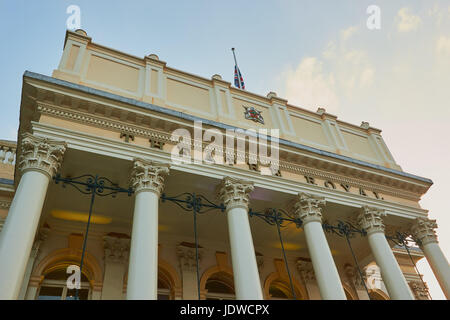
x=163, y=296
x=83, y=294
x=50, y=293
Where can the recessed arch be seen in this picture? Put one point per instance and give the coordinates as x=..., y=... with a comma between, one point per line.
x=349, y=293
x=377, y=294
x=276, y=283
x=67, y=256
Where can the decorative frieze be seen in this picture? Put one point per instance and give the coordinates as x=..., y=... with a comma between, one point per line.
x=371, y=219
x=419, y=290
x=235, y=192
x=127, y=136
x=373, y=275
x=187, y=258
x=423, y=231
x=353, y=276
x=341, y=179
x=41, y=154
x=308, y=207
x=116, y=249
x=148, y=176
x=306, y=270
x=5, y=204
x=156, y=144
x=41, y=237
x=259, y=260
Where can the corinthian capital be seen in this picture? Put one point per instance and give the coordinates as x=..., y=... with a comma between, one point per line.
x=308, y=207
x=148, y=176
x=423, y=231
x=40, y=154
x=371, y=219
x=234, y=192
x=116, y=249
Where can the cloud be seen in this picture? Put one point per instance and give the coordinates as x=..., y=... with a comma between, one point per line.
x=347, y=33
x=443, y=46
x=309, y=85
x=328, y=78
x=439, y=14
x=407, y=21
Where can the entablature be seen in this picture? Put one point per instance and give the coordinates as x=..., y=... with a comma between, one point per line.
x=47, y=99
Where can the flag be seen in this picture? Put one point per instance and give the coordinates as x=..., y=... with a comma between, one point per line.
x=238, y=80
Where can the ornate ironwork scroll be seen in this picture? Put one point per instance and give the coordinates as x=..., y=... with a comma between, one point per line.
x=95, y=186
x=198, y=204
x=279, y=218
x=347, y=230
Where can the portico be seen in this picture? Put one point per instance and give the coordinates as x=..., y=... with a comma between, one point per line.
x=140, y=247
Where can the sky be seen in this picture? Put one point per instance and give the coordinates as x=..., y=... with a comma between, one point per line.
x=312, y=53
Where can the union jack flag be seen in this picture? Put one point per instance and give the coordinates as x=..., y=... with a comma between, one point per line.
x=238, y=80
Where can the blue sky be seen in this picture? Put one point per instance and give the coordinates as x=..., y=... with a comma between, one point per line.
x=313, y=53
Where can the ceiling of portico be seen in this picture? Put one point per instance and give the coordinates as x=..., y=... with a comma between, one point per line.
x=174, y=222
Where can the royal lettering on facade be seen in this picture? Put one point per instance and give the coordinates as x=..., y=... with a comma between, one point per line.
x=343, y=187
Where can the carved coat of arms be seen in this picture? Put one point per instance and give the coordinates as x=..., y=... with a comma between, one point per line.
x=252, y=114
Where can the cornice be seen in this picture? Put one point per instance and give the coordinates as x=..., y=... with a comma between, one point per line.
x=127, y=151
x=160, y=136
x=161, y=110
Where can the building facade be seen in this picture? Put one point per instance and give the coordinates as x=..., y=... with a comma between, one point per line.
x=336, y=219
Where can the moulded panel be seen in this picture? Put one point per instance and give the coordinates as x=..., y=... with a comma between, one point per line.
x=359, y=145
x=309, y=131
x=189, y=96
x=112, y=73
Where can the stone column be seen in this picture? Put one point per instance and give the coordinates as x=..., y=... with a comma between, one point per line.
x=188, y=266
x=116, y=257
x=147, y=179
x=234, y=194
x=39, y=160
x=309, y=211
x=371, y=221
x=425, y=236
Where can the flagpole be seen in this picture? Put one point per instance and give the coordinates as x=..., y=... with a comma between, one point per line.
x=238, y=71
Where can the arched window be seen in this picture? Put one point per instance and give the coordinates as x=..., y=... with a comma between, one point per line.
x=280, y=290
x=54, y=285
x=165, y=291
x=219, y=286
x=348, y=295
x=376, y=294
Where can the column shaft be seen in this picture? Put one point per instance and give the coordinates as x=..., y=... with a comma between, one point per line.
x=19, y=231
x=327, y=276
x=309, y=211
x=143, y=269
x=423, y=231
x=243, y=258
x=391, y=273
x=147, y=178
x=439, y=264
x=235, y=195
x=370, y=219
